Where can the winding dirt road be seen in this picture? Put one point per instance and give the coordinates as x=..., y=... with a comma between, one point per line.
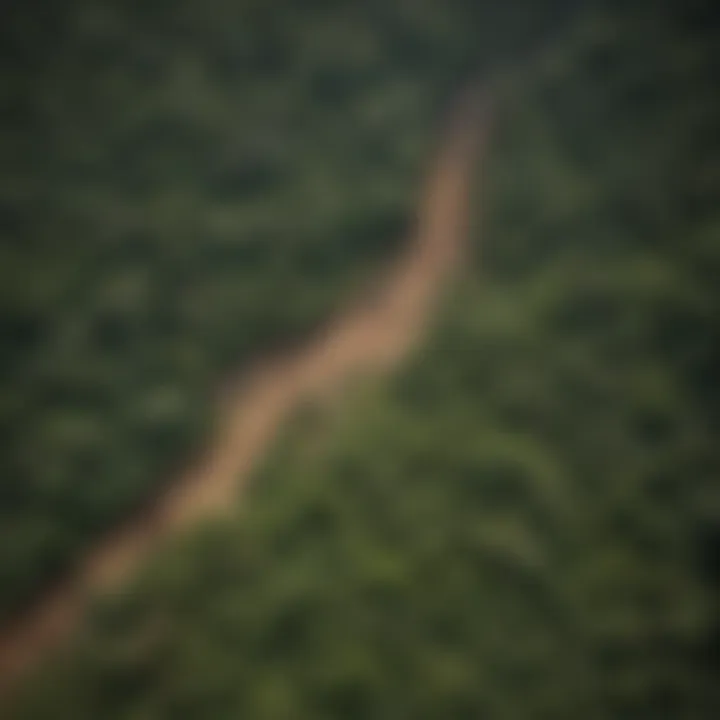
x=372, y=337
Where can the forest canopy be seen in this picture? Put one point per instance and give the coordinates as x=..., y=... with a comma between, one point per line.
x=524, y=522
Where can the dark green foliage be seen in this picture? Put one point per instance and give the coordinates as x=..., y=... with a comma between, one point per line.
x=523, y=525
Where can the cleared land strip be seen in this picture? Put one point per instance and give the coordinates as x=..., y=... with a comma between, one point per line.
x=371, y=337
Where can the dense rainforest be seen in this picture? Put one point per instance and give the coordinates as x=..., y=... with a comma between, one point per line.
x=184, y=186
x=524, y=523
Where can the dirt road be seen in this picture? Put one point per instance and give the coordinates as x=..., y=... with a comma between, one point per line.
x=372, y=337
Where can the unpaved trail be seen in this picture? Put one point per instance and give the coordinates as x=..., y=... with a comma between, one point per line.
x=372, y=337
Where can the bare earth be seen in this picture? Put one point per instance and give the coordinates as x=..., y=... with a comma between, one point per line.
x=372, y=337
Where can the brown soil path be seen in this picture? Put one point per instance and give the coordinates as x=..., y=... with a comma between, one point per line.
x=372, y=337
